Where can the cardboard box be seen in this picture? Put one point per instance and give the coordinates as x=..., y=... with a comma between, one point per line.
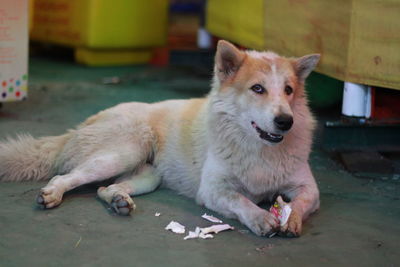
x=359, y=39
x=13, y=50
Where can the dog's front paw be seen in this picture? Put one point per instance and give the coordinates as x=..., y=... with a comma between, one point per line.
x=293, y=226
x=49, y=197
x=122, y=204
x=263, y=223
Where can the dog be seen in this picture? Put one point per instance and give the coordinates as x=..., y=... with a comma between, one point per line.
x=247, y=141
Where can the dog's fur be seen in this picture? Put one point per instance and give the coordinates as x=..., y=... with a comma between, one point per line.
x=210, y=149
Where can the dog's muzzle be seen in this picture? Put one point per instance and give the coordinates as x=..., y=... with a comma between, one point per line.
x=270, y=137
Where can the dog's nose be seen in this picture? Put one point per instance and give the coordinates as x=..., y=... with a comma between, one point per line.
x=283, y=122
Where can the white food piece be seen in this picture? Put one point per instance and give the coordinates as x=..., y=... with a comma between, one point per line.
x=175, y=227
x=205, y=236
x=211, y=218
x=286, y=210
x=198, y=233
x=216, y=228
x=204, y=233
x=194, y=234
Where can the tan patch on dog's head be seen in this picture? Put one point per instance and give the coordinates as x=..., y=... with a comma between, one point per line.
x=237, y=69
x=267, y=69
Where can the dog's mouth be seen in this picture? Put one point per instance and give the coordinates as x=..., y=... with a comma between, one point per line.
x=270, y=137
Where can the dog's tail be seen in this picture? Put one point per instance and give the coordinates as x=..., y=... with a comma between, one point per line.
x=28, y=159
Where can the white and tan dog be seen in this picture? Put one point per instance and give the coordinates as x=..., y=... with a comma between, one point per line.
x=249, y=140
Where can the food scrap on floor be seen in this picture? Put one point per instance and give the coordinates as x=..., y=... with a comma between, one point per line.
x=175, y=227
x=211, y=218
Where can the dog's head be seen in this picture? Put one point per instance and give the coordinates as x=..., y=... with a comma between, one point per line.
x=260, y=89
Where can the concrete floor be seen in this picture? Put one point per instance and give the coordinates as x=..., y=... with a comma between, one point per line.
x=356, y=226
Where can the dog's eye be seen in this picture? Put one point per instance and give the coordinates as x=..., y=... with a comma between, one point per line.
x=288, y=90
x=259, y=89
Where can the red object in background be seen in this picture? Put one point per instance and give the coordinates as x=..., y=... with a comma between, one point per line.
x=385, y=104
x=160, y=56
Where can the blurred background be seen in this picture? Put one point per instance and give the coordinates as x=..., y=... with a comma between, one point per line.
x=64, y=60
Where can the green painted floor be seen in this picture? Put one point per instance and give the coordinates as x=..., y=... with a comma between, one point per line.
x=358, y=224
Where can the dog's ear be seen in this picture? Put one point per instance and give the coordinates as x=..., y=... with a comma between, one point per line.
x=305, y=65
x=227, y=60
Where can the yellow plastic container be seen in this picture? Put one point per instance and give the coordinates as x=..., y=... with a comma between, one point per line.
x=103, y=32
x=241, y=22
